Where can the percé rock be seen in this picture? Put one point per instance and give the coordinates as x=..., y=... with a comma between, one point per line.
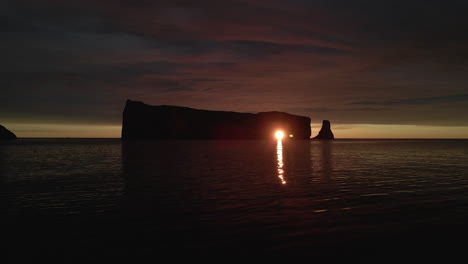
x=6, y=134
x=325, y=131
x=142, y=121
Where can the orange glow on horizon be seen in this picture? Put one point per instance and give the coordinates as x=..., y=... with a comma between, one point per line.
x=341, y=131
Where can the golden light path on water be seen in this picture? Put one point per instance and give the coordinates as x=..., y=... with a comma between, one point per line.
x=279, y=155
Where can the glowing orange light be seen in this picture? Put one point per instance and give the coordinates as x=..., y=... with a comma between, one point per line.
x=279, y=135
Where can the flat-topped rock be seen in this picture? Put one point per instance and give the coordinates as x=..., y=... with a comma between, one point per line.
x=142, y=121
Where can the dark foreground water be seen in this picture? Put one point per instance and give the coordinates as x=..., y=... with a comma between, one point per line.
x=81, y=200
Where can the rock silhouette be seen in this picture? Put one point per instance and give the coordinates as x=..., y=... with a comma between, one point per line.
x=142, y=121
x=325, y=131
x=6, y=134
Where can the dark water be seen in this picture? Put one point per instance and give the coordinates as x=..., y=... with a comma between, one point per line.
x=88, y=199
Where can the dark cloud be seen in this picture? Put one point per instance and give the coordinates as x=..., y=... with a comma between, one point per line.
x=395, y=61
x=207, y=80
x=259, y=49
x=327, y=109
x=417, y=101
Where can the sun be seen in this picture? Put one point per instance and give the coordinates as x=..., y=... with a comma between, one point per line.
x=279, y=135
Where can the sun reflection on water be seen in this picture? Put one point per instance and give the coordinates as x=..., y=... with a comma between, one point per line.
x=279, y=155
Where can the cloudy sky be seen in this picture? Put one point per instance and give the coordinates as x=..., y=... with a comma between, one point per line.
x=396, y=68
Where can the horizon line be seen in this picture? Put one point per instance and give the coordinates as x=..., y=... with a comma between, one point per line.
x=236, y=139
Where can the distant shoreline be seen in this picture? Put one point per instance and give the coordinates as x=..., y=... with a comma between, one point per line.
x=338, y=139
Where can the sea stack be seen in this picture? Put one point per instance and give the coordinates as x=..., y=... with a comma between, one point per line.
x=142, y=121
x=325, y=131
x=6, y=134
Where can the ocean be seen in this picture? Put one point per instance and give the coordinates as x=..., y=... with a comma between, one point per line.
x=80, y=200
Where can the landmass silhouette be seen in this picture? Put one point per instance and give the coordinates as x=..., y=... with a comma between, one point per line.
x=325, y=131
x=6, y=134
x=142, y=121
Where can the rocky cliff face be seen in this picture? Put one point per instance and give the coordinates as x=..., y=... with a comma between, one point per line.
x=6, y=134
x=141, y=121
x=325, y=131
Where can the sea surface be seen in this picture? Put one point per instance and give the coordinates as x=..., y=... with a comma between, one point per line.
x=80, y=200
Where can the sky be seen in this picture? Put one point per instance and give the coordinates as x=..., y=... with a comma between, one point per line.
x=375, y=69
